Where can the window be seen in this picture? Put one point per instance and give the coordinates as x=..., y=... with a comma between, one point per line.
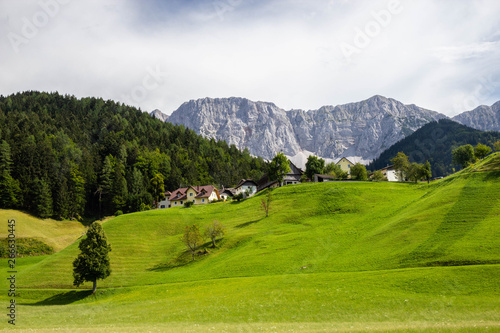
x=191, y=194
x=348, y=165
x=202, y=200
x=182, y=203
x=162, y=206
x=175, y=203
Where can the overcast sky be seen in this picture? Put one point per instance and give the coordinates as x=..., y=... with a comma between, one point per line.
x=442, y=55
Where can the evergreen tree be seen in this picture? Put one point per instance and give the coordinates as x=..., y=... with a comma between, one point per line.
x=106, y=184
x=119, y=191
x=5, y=157
x=92, y=263
x=158, y=188
x=61, y=202
x=10, y=191
x=42, y=199
x=76, y=194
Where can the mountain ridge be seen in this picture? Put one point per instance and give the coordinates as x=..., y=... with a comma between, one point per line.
x=359, y=130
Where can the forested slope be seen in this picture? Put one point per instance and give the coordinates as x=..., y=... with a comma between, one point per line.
x=66, y=157
x=434, y=142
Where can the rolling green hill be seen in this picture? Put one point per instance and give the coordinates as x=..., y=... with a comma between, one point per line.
x=331, y=256
x=434, y=142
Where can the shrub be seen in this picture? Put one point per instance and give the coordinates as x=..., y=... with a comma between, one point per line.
x=118, y=213
x=188, y=204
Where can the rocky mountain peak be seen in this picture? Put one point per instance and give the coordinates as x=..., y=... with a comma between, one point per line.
x=358, y=130
x=484, y=118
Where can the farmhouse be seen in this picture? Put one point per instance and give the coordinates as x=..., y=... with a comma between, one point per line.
x=246, y=186
x=293, y=177
x=199, y=195
x=390, y=173
x=345, y=165
x=165, y=203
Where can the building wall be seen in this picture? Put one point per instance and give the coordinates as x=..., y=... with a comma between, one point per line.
x=392, y=176
x=345, y=165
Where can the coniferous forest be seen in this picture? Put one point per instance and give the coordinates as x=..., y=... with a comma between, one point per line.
x=70, y=158
x=434, y=142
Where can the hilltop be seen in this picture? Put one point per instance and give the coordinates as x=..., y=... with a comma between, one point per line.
x=434, y=142
x=371, y=254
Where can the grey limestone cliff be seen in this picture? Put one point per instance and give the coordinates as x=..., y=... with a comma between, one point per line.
x=362, y=129
x=484, y=118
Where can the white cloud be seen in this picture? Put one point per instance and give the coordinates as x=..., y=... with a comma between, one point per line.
x=433, y=54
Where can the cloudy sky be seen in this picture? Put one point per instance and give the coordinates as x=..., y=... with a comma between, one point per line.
x=442, y=55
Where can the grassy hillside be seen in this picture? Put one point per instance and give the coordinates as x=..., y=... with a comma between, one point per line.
x=343, y=255
x=57, y=234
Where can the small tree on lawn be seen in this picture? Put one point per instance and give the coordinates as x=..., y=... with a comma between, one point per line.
x=358, y=171
x=415, y=172
x=480, y=151
x=279, y=167
x=266, y=203
x=192, y=238
x=378, y=175
x=314, y=165
x=92, y=263
x=496, y=146
x=214, y=230
x=464, y=155
x=401, y=164
x=427, y=171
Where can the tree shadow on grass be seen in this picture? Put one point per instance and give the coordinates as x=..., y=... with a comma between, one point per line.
x=185, y=258
x=64, y=298
x=246, y=224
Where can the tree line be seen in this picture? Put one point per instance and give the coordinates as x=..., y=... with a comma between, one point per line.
x=66, y=158
x=434, y=142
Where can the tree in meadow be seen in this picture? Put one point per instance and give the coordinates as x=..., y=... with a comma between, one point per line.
x=92, y=263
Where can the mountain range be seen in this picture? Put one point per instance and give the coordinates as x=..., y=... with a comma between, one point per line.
x=360, y=131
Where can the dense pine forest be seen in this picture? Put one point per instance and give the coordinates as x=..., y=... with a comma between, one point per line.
x=434, y=142
x=71, y=158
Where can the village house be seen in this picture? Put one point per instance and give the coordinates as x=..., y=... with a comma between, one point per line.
x=390, y=173
x=199, y=195
x=246, y=186
x=165, y=203
x=345, y=165
x=293, y=177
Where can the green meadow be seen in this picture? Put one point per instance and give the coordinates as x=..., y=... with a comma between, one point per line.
x=339, y=256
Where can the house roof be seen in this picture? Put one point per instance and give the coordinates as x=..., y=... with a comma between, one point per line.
x=243, y=181
x=324, y=176
x=295, y=170
x=229, y=191
x=201, y=192
x=387, y=168
x=344, y=158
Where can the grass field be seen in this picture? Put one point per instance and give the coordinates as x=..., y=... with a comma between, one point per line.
x=342, y=256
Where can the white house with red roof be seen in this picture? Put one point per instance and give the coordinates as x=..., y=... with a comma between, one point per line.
x=199, y=195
